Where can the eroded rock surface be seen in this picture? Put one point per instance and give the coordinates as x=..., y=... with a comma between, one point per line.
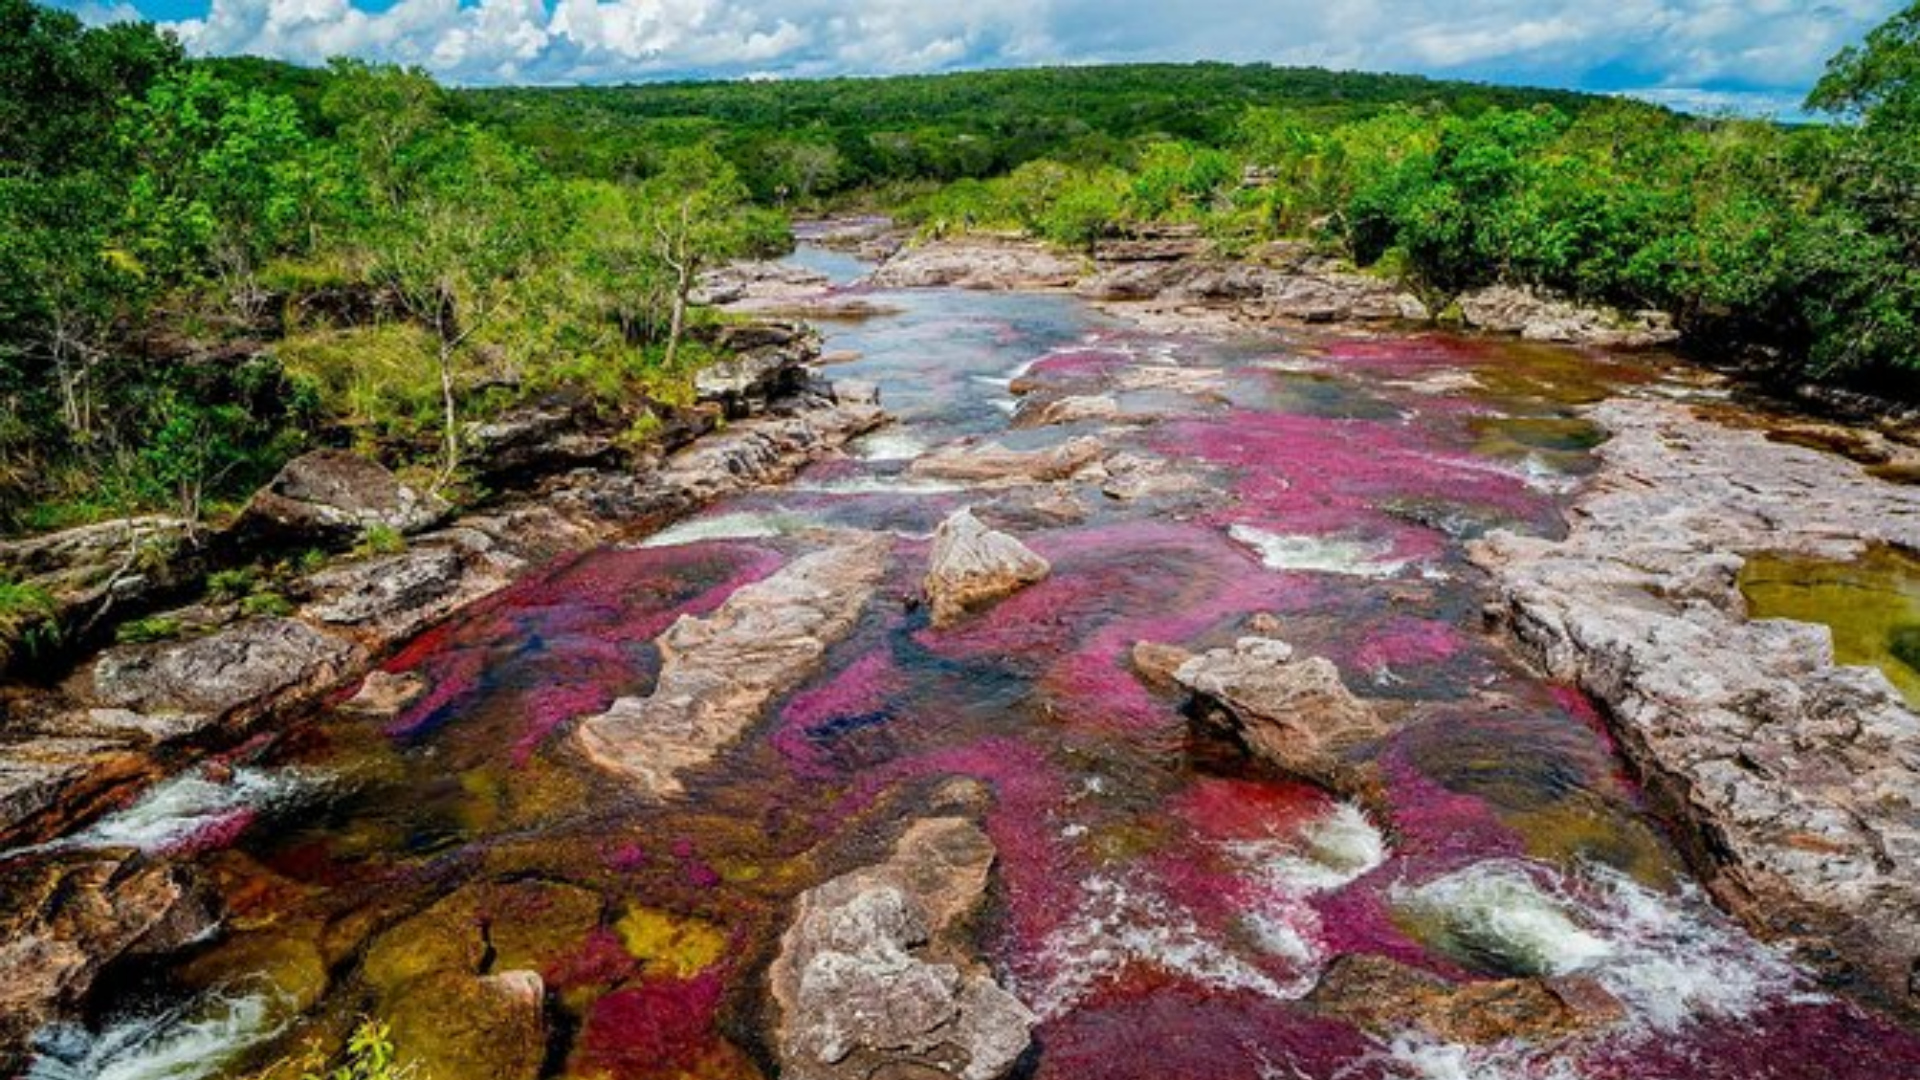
x=63, y=921
x=334, y=496
x=979, y=263
x=1798, y=781
x=1293, y=711
x=993, y=463
x=717, y=673
x=877, y=974
x=247, y=666
x=973, y=565
x=1537, y=316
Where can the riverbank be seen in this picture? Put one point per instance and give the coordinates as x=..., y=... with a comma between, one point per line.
x=228, y=674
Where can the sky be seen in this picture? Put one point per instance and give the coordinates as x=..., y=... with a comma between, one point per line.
x=1750, y=56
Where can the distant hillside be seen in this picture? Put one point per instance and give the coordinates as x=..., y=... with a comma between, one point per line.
x=968, y=124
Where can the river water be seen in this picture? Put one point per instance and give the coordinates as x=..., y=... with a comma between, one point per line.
x=1161, y=904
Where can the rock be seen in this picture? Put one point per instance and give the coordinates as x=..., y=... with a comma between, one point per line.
x=87, y=572
x=552, y=435
x=1135, y=476
x=978, y=263
x=1386, y=997
x=392, y=597
x=1538, y=316
x=245, y=668
x=973, y=565
x=768, y=361
x=63, y=921
x=1075, y=409
x=1156, y=663
x=1796, y=782
x=385, y=694
x=332, y=496
x=1293, y=712
x=717, y=673
x=46, y=781
x=456, y=1025
x=992, y=463
x=876, y=975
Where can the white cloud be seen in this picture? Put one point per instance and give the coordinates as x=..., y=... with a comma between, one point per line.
x=1770, y=48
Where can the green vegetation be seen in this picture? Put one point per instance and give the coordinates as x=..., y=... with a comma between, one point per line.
x=380, y=540
x=206, y=266
x=150, y=629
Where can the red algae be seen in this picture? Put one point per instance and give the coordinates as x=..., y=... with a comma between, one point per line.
x=659, y=1030
x=1176, y=1033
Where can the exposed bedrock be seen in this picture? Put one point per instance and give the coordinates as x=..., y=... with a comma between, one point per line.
x=1290, y=710
x=973, y=565
x=979, y=262
x=877, y=974
x=718, y=673
x=1797, y=781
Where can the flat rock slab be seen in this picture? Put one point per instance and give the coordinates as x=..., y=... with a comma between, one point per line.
x=992, y=463
x=876, y=975
x=973, y=565
x=249, y=664
x=1797, y=781
x=719, y=672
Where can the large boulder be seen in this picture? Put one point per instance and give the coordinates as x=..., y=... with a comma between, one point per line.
x=973, y=565
x=63, y=921
x=1290, y=710
x=1796, y=781
x=993, y=463
x=1539, y=316
x=717, y=673
x=332, y=496
x=246, y=667
x=877, y=975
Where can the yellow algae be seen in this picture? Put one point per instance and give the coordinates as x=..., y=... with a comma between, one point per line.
x=1871, y=604
x=671, y=944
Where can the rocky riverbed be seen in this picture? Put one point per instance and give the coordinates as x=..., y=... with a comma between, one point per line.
x=1312, y=702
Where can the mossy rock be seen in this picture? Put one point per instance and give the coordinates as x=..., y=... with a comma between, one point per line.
x=453, y=1026
x=497, y=925
x=671, y=944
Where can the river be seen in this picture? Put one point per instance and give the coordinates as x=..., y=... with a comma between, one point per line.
x=1162, y=904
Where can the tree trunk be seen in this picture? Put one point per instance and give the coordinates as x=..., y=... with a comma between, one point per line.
x=678, y=322
x=450, y=431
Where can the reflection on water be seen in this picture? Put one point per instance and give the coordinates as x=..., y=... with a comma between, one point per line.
x=1162, y=905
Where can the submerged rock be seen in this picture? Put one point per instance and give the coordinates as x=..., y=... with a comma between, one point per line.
x=1157, y=664
x=385, y=694
x=333, y=496
x=1387, y=997
x=877, y=976
x=973, y=565
x=1796, y=781
x=1292, y=711
x=455, y=1025
x=717, y=673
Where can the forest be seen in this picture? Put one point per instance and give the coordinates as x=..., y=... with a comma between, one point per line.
x=209, y=265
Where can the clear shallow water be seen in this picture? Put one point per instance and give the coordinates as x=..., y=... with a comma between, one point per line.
x=1162, y=905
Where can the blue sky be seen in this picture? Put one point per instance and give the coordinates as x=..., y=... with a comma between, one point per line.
x=1744, y=55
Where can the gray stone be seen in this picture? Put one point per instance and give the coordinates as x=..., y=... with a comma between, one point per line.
x=973, y=565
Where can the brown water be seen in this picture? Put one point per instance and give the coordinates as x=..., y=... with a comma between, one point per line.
x=1163, y=907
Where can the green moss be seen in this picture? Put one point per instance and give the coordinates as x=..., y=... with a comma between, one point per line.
x=1871, y=604
x=380, y=540
x=150, y=629
x=266, y=603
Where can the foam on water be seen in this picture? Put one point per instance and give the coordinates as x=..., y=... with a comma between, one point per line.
x=1422, y=1057
x=878, y=485
x=1119, y=923
x=1318, y=554
x=889, y=446
x=193, y=803
x=1669, y=960
x=1327, y=854
x=185, y=1044
x=740, y=526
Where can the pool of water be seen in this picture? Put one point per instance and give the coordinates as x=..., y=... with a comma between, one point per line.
x=1872, y=605
x=1164, y=907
